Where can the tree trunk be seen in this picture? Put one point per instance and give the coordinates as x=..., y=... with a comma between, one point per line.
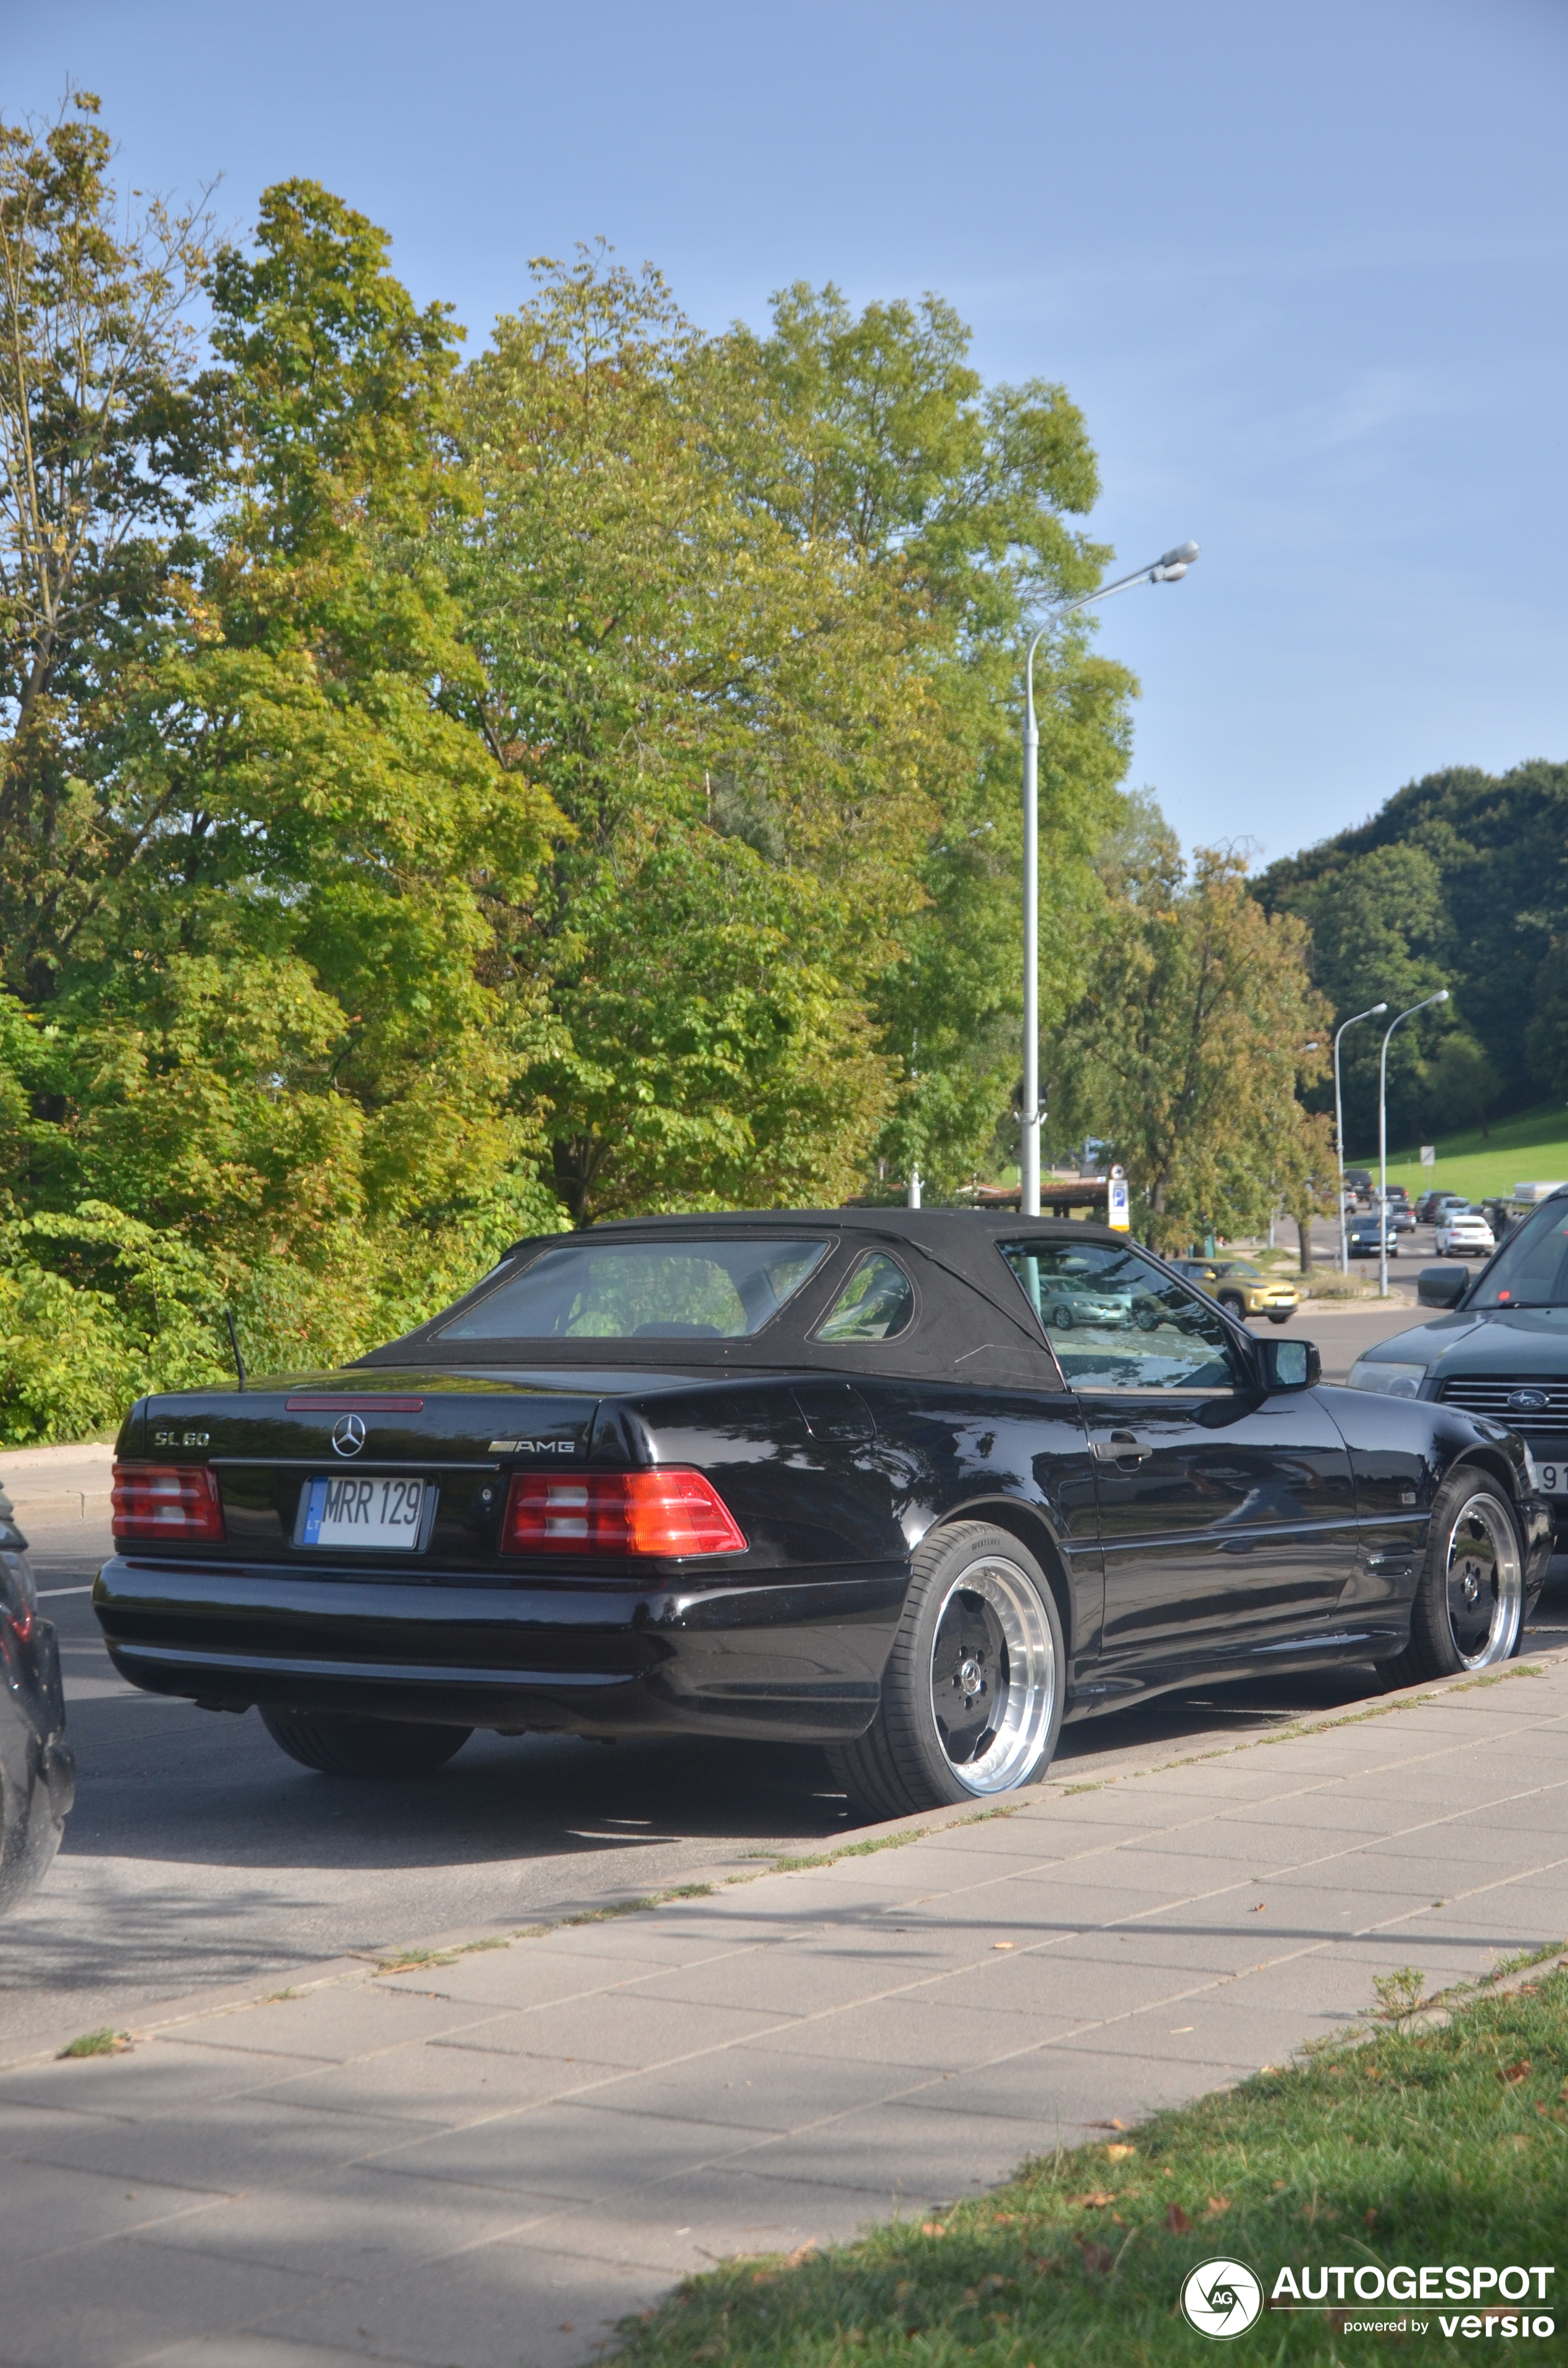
x=1304, y=1237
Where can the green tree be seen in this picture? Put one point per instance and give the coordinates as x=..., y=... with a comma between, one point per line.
x=1188, y=1047
x=105, y=449
x=882, y=437
x=1478, y=878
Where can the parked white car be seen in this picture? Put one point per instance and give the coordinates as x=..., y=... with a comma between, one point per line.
x=1464, y=1233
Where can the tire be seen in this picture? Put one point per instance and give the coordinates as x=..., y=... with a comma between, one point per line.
x=980, y=1640
x=1280, y=1319
x=1062, y=1318
x=1234, y=1305
x=1468, y=1603
x=364, y=1746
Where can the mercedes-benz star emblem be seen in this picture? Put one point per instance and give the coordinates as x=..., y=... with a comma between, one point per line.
x=349, y=1434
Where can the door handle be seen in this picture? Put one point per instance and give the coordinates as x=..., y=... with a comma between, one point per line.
x=1122, y=1447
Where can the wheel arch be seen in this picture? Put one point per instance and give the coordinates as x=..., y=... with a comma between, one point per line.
x=1491, y=1462
x=1032, y=1530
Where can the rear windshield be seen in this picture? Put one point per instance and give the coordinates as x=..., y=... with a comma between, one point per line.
x=644, y=1291
x=1531, y=1270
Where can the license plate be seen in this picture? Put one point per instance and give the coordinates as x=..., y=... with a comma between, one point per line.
x=1553, y=1478
x=340, y=1511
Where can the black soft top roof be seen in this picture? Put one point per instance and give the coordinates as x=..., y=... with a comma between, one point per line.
x=971, y=1322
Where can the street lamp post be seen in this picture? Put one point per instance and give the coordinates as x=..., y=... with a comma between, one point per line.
x=1441, y=996
x=1169, y=569
x=1370, y=1013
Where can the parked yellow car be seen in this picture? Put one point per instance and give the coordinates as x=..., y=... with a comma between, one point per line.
x=1241, y=1288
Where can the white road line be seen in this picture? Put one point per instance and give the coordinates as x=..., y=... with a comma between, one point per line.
x=47, y=1594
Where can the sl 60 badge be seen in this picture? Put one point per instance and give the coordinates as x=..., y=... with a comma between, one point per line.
x=181, y=1438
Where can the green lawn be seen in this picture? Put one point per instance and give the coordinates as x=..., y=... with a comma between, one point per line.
x=1425, y=2145
x=1532, y=1148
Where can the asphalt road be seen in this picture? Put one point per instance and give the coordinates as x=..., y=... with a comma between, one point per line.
x=198, y=1855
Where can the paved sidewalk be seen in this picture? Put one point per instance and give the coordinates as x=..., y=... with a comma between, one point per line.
x=487, y=2161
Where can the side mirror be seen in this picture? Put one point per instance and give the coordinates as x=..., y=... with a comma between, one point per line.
x=1441, y=1286
x=1289, y=1364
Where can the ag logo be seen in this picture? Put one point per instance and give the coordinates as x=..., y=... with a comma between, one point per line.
x=1222, y=2298
x=349, y=1434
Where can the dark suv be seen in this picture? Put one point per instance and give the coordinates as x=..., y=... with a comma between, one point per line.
x=1500, y=1350
x=37, y=1777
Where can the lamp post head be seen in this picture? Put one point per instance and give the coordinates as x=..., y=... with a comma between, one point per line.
x=1172, y=566
x=1376, y=1008
x=1442, y=995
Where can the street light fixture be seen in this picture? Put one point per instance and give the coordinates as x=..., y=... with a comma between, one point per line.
x=1441, y=996
x=1169, y=568
x=1371, y=1012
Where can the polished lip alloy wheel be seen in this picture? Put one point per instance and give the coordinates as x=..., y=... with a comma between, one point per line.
x=1485, y=1584
x=993, y=1676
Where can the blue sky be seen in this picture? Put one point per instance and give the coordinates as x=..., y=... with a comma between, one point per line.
x=1302, y=265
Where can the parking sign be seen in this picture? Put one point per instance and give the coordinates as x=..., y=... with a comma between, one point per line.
x=1118, y=1201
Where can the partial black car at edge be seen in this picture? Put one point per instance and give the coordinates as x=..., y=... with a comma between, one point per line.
x=913, y=1484
x=37, y=1777
x=1499, y=1350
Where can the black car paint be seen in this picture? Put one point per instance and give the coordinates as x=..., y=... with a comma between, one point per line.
x=36, y=1770
x=1264, y=1529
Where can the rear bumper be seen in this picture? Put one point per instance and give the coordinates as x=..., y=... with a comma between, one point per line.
x=798, y=1659
x=38, y=1774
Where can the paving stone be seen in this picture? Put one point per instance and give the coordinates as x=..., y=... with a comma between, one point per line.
x=567, y=2150
x=888, y=2150
x=505, y=2303
x=689, y=2222
x=1046, y=1985
x=214, y=2147
x=158, y=2076
x=786, y=1984
x=925, y=2037
x=447, y=2082
x=348, y=2223
x=53, y=2207
x=528, y=1974
x=618, y=2028
x=130, y=2298
x=1157, y=1942
x=756, y=2089
x=236, y=2349
x=1061, y=2097
x=356, y=2018
x=1244, y=2031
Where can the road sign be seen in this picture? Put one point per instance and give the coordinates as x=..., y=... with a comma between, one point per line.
x=1429, y=1155
x=1118, y=1201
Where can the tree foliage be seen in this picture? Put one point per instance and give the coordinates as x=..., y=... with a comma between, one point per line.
x=1186, y=1050
x=1459, y=880
x=439, y=801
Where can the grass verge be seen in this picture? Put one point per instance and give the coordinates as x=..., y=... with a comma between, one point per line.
x=1534, y=1145
x=1418, y=2145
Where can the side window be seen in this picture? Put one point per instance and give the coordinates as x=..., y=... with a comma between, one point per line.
x=875, y=1303
x=1119, y=1322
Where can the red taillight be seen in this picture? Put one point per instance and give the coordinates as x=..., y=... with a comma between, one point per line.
x=668, y=1513
x=159, y=1502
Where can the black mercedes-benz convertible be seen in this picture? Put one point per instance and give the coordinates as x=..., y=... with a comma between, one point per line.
x=913, y=1484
